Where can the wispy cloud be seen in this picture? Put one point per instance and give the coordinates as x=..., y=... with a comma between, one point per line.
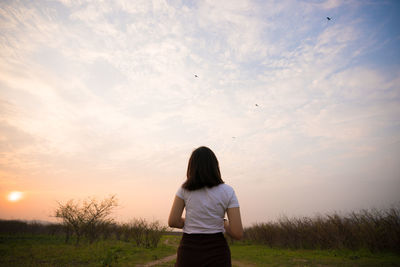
x=287, y=99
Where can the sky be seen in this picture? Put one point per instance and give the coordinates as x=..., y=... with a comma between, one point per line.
x=101, y=98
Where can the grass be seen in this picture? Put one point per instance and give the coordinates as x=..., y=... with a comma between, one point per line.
x=45, y=250
x=376, y=230
x=259, y=255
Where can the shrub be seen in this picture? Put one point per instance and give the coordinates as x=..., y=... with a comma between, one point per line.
x=371, y=229
x=143, y=233
x=87, y=218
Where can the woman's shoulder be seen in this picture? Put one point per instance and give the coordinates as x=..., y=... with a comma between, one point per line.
x=181, y=192
x=225, y=187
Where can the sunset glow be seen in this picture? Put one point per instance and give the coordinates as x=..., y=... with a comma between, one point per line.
x=14, y=196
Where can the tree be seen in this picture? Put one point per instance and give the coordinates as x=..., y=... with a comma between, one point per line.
x=86, y=218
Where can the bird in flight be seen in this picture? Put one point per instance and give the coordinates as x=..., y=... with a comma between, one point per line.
x=328, y=18
x=256, y=105
x=196, y=76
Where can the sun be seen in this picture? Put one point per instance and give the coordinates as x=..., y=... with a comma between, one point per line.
x=14, y=196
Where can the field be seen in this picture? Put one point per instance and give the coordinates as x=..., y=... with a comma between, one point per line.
x=258, y=255
x=46, y=250
x=366, y=238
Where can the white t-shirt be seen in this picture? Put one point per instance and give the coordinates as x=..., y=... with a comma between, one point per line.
x=206, y=207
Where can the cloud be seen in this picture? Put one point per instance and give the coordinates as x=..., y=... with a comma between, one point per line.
x=330, y=4
x=92, y=90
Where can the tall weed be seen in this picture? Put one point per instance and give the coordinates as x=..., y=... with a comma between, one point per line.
x=371, y=229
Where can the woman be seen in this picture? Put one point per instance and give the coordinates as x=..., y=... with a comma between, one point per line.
x=206, y=198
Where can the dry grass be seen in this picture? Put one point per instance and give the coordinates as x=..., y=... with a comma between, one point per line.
x=368, y=229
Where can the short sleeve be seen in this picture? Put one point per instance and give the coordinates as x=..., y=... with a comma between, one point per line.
x=180, y=193
x=233, y=202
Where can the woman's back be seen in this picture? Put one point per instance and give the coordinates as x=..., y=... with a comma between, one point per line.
x=206, y=199
x=206, y=207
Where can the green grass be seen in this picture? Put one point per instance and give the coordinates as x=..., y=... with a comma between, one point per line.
x=27, y=250
x=258, y=255
x=42, y=250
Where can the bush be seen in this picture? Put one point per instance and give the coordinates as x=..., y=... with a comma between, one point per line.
x=87, y=218
x=29, y=227
x=371, y=229
x=141, y=232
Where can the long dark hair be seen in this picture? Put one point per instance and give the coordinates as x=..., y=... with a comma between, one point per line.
x=203, y=170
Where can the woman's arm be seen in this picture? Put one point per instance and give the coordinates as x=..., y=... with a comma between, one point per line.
x=234, y=227
x=175, y=216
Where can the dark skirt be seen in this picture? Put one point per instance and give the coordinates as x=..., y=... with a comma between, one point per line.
x=203, y=250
